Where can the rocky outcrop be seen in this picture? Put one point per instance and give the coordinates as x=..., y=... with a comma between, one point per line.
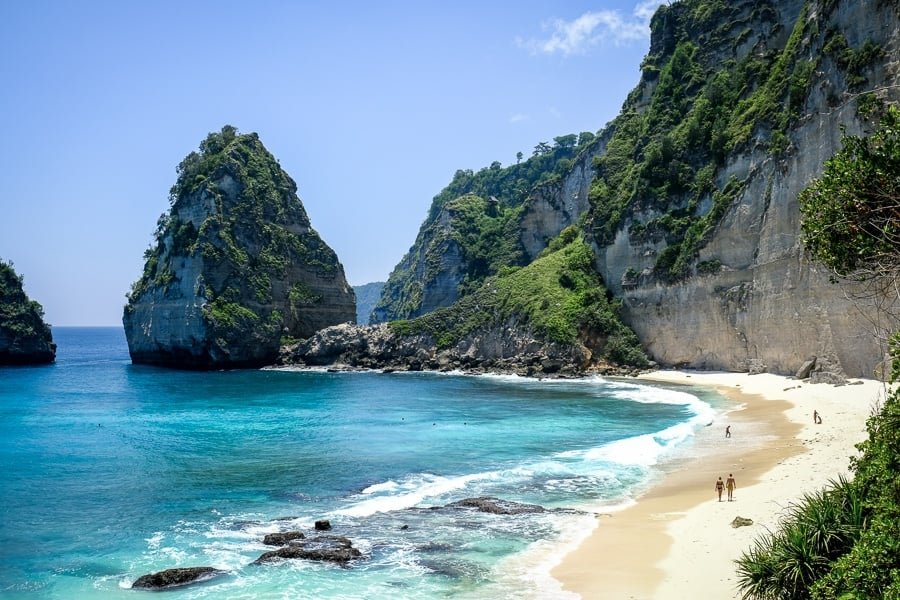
x=171, y=578
x=496, y=506
x=236, y=267
x=329, y=548
x=506, y=349
x=25, y=339
x=282, y=538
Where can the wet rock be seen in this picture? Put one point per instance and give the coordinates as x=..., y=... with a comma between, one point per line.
x=323, y=525
x=329, y=548
x=282, y=538
x=176, y=577
x=488, y=504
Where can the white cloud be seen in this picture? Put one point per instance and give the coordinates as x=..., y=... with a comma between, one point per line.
x=593, y=28
x=518, y=118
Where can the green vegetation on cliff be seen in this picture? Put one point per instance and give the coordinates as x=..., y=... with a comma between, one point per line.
x=558, y=297
x=843, y=543
x=238, y=231
x=24, y=336
x=477, y=213
x=850, y=214
x=667, y=154
x=710, y=99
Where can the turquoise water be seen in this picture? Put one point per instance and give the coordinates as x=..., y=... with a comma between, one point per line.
x=111, y=471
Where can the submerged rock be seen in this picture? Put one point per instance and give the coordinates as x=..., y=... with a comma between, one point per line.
x=236, y=265
x=176, y=577
x=25, y=339
x=331, y=548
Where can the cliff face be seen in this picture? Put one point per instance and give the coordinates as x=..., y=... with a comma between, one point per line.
x=367, y=296
x=236, y=266
x=25, y=339
x=747, y=298
x=689, y=197
x=484, y=221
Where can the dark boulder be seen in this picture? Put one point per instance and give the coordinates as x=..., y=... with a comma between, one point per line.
x=496, y=506
x=323, y=525
x=176, y=577
x=281, y=538
x=331, y=548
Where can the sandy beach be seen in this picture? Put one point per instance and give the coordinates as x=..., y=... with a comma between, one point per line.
x=676, y=541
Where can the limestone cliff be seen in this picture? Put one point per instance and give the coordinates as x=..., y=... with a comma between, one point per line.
x=367, y=296
x=236, y=266
x=712, y=272
x=25, y=339
x=689, y=196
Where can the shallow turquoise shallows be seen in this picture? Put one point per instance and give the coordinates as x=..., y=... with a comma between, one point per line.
x=111, y=471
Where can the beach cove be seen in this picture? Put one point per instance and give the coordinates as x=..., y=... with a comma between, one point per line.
x=676, y=541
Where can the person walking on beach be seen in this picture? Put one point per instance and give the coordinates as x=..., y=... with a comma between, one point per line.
x=730, y=484
x=719, y=487
x=728, y=431
x=817, y=418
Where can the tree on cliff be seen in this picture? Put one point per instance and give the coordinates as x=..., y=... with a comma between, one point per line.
x=851, y=215
x=24, y=336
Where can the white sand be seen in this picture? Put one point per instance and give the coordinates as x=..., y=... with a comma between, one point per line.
x=677, y=542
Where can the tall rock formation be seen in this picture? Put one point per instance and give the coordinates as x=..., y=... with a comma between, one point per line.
x=25, y=339
x=236, y=266
x=689, y=196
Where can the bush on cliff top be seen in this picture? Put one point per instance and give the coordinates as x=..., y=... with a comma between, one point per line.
x=20, y=317
x=559, y=297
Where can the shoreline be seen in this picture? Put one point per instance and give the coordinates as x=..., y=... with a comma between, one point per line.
x=676, y=540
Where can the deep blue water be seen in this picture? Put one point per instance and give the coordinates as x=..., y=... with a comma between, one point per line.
x=110, y=471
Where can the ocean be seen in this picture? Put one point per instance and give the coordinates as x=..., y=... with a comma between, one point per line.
x=111, y=471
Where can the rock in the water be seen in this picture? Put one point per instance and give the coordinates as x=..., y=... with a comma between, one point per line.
x=282, y=538
x=496, y=506
x=323, y=525
x=330, y=548
x=25, y=339
x=236, y=266
x=176, y=577
x=741, y=522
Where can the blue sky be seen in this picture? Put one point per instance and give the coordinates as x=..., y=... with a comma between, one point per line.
x=369, y=106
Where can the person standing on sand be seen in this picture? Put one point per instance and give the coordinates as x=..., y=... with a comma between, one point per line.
x=719, y=487
x=728, y=431
x=730, y=484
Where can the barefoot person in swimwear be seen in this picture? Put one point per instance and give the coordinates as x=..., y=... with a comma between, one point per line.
x=730, y=484
x=719, y=487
